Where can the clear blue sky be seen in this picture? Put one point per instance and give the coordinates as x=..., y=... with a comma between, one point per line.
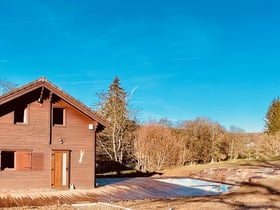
x=182, y=59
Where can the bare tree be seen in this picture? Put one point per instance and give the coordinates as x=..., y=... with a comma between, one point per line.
x=205, y=139
x=268, y=145
x=6, y=86
x=156, y=148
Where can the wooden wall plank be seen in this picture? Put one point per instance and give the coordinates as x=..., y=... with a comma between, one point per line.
x=34, y=136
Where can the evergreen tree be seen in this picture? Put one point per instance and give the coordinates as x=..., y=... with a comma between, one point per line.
x=117, y=139
x=272, y=121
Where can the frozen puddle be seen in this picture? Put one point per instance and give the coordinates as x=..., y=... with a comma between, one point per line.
x=199, y=184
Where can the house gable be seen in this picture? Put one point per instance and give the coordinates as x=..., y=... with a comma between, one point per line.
x=40, y=90
x=47, y=138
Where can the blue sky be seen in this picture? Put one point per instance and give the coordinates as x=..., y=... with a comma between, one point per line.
x=182, y=59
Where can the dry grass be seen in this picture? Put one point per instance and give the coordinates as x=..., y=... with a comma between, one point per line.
x=262, y=194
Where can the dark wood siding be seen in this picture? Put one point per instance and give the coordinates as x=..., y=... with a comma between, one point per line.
x=77, y=137
x=34, y=136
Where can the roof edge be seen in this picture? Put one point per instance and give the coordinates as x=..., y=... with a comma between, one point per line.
x=43, y=82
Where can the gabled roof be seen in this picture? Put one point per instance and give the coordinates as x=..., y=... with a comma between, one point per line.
x=43, y=82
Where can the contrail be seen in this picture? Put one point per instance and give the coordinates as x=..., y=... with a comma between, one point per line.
x=132, y=92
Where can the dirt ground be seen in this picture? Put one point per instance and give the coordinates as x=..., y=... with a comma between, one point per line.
x=258, y=188
x=261, y=191
x=246, y=197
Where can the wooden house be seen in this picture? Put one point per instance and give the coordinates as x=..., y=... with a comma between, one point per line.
x=47, y=139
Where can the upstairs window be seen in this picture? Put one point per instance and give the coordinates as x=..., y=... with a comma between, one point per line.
x=58, y=116
x=20, y=114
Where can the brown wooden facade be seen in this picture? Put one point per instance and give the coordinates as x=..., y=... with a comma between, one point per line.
x=47, y=139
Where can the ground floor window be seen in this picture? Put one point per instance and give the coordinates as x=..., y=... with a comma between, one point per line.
x=7, y=159
x=19, y=160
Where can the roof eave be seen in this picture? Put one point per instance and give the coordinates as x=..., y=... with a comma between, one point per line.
x=42, y=82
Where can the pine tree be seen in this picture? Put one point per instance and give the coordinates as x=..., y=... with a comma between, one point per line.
x=272, y=121
x=116, y=139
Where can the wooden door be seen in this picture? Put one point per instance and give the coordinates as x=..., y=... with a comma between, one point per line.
x=60, y=170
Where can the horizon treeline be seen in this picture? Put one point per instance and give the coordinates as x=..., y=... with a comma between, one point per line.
x=157, y=145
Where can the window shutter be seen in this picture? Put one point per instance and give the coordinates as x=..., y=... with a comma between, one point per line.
x=37, y=161
x=23, y=160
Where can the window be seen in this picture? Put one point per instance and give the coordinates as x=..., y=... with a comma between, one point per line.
x=19, y=160
x=7, y=159
x=58, y=116
x=20, y=114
